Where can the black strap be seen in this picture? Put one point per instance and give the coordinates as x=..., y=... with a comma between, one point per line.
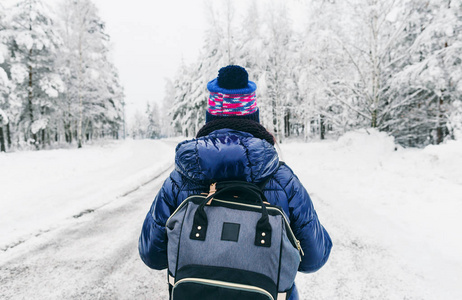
x=263, y=228
x=244, y=186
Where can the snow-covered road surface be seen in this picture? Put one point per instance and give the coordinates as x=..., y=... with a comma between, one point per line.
x=392, y=215
x=92, y=257
x=40, y=190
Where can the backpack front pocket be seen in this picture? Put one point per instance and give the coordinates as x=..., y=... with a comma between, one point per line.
x=206, y=289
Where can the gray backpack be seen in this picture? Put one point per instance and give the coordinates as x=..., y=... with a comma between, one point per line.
x=231, y=244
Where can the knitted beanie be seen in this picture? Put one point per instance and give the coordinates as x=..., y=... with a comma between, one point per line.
x=232, y=95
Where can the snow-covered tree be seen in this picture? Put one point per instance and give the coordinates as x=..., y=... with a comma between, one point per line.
x=180, y=110
x=276, y=61
x=56, y=78
x=147, y=124
x=33, y=43
x=4, y=82
x=4, y=91
x=429, y=85
x=152, y=112
x=93, y=96
x=393, y=65
x=166, y=128
x=220, y=49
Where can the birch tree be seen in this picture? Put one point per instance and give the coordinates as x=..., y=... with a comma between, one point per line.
x=4, y=82
x=93, y=89
x=387, y=64
x=276, y=55
x=4, y=91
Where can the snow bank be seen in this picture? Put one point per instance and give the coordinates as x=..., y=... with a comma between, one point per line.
x=367, y=141
x=445, y=160
x=369, y=146
x=406, y=201
x=41, y=189
x=393, y=213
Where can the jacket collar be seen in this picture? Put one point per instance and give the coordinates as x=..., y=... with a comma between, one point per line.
x=226, y=154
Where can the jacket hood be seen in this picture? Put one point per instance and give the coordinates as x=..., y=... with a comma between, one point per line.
x=226, y=154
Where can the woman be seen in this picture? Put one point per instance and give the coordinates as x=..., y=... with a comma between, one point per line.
x=234, y=146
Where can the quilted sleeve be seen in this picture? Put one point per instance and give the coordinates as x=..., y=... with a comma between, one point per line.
x=314, y=239
x=152, y=244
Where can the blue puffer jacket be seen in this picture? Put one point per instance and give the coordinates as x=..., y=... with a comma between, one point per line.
x=227, y=154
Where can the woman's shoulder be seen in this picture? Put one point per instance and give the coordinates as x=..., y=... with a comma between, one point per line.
x=281, y=178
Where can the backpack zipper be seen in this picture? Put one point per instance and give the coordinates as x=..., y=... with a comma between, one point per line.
x=236, y=286
x=178, y=208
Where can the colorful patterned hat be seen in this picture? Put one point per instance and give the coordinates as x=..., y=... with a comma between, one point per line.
x=232, y=95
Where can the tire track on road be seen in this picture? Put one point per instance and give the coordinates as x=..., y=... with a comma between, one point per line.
x=94, y=257
x=170, y=167
x=87, y=211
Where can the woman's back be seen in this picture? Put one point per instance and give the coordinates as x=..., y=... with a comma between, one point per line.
x=220, y=152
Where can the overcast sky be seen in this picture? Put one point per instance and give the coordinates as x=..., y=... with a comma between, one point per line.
x=150, y=39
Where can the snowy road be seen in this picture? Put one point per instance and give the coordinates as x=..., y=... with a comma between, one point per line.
x=358, y=267
x=95, y=257
x=379, y=205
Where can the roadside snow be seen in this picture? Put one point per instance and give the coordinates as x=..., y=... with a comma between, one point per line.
x=393, y=215
x=41, y=189
x=401, y=207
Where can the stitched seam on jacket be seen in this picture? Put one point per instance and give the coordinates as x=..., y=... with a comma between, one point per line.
x=261, y=167
x=277, y=181
x=249, y=163
x=306, y=224
x=178, y=187
x=154, y=222
x=291, y=173
x=196, y=152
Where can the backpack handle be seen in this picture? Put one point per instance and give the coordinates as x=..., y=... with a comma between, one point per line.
x=239, y=186
x=263, y=228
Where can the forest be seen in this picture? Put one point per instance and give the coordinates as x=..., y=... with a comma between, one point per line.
x=393, y=65
x=57, y=83
x=386, y=64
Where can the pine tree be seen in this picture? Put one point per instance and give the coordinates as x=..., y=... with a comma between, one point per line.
x=33, y=43
x=430, y=83
x=166, y=128
x=153, y=130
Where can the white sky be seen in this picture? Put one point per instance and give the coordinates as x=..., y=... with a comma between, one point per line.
x=150, y=39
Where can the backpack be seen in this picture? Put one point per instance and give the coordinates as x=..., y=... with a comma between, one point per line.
x=231, y=244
